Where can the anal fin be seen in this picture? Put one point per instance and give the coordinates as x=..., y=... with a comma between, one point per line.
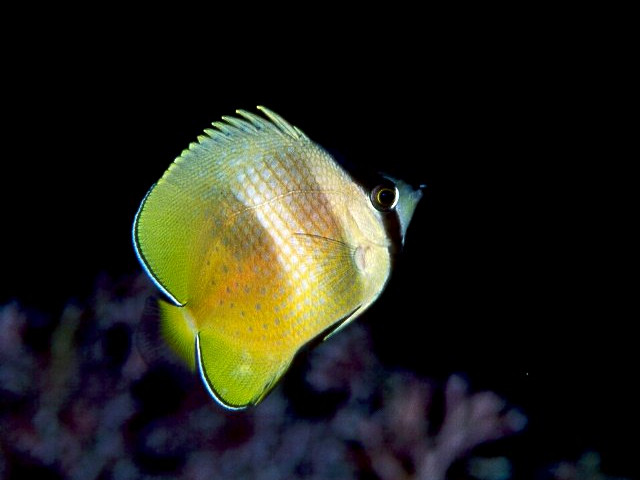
x=237, y=377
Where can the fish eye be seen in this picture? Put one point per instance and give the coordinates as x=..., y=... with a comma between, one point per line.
x=384, y=197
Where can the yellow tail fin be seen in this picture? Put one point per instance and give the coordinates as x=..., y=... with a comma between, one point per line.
x=178, y=330
x=166, y=334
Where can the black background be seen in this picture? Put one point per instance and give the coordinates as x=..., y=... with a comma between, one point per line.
x=510, y=269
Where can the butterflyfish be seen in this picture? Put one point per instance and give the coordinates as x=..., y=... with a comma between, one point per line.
x=261, y=242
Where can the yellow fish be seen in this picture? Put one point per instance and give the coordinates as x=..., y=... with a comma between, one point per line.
x=262, y=242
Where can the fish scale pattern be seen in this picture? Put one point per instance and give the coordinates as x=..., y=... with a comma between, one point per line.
x=282, y=290
x=262, y=242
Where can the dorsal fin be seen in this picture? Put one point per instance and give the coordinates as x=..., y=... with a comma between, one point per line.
x=176, y=213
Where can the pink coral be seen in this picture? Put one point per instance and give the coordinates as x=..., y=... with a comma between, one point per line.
x=89, y=407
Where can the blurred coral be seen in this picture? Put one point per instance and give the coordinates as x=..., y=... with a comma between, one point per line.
x=88, y=407
x=587, y=467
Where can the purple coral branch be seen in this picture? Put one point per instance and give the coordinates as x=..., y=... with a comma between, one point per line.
x=83, y=418
x=470, y=420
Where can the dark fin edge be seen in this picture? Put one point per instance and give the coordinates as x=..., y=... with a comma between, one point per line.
x=202, y=372
x=141, y=257
x=208, y=384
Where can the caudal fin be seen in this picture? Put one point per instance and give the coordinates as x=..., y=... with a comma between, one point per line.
x=165, y=334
